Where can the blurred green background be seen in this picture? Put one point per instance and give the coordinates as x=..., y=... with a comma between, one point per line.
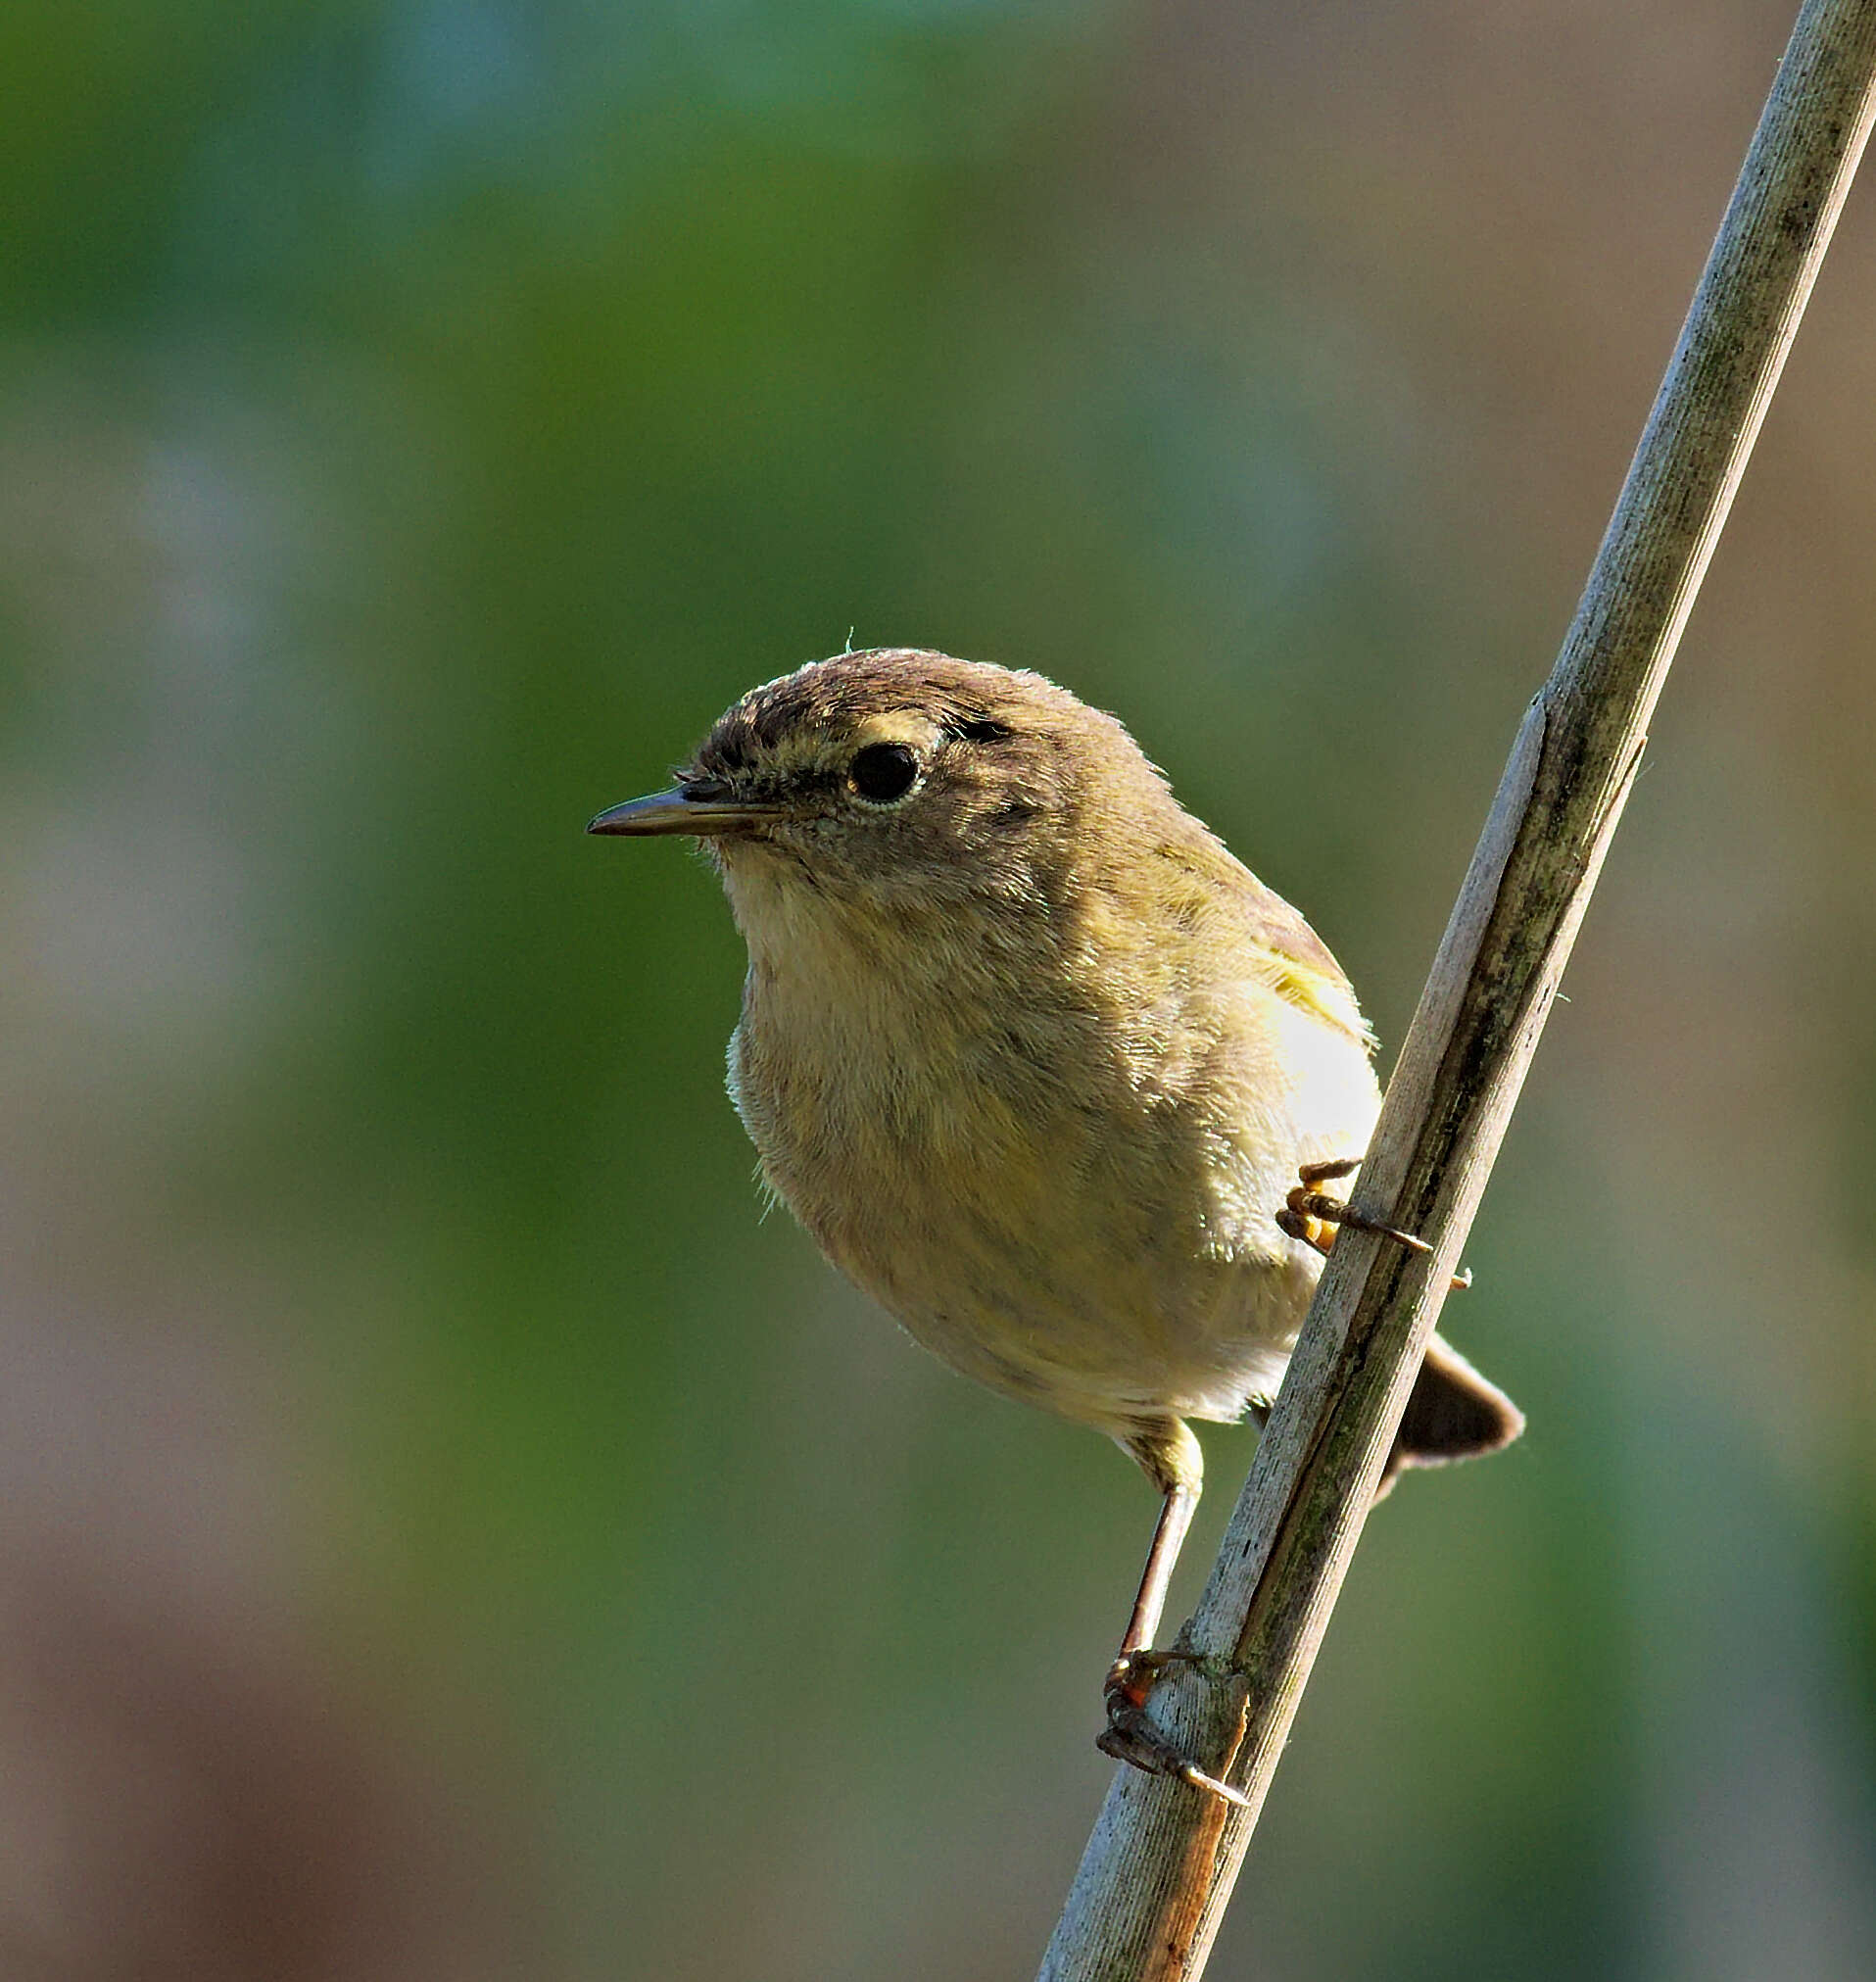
x=445, y=1531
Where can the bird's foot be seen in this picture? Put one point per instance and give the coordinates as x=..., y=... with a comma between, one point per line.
x=1313, y=1216
x=1129, y=1737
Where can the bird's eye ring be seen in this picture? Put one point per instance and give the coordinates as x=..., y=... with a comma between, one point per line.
x=883, y=773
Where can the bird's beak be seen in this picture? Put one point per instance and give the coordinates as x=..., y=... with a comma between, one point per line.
x=675, y=811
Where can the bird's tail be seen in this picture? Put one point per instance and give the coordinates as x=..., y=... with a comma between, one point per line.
x=1453, y=1412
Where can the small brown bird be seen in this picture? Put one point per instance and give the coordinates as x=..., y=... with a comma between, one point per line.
x=1034, y=1058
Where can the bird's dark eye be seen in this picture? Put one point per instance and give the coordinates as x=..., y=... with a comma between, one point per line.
x=882, y=773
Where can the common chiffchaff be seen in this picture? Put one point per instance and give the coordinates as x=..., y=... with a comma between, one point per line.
x=1034, y=1058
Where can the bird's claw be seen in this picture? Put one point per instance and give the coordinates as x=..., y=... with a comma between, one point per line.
x=1306, y=1212
x=1127, y=1737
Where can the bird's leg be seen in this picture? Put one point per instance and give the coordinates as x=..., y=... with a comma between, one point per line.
x=1165, y=1450
x=1169, y=1537
x=1307, y=1210
x=1171, y=1460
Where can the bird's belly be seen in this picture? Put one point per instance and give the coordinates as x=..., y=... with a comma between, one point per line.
x=1114, y=1347
x=1066, y=1252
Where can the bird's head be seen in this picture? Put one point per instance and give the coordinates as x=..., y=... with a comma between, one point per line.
x=907, y=780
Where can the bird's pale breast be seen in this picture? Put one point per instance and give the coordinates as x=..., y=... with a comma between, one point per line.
x=1063, y=1180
